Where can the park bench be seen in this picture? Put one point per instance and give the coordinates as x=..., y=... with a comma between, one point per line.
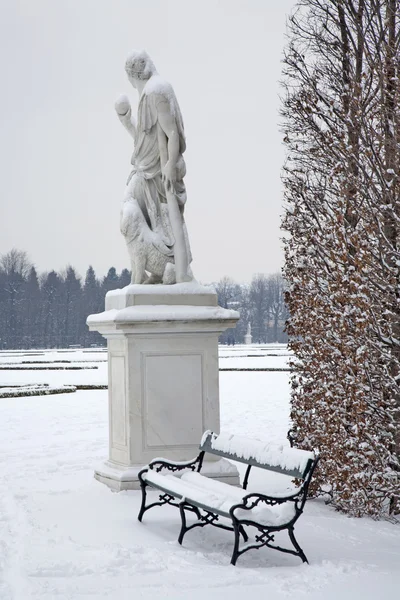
x=182, y=485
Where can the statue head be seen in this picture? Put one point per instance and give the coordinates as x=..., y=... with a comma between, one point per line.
x=139, y=66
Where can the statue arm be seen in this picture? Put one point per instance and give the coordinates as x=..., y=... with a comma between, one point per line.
x=168, y=136
x=124, y=112
x=168, y=125
x=128, y=122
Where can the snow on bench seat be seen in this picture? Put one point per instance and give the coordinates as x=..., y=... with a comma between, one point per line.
x=219, y=496
x=283, y=458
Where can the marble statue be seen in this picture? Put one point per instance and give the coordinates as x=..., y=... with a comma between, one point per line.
x=248, y=337
x=152, y=219
x=146, y=251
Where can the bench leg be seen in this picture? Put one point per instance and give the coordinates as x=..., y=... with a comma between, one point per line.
x=236, y=529
x=265, y=539
x=296, y=545
x=244, y=534
x=202, y=521
x=143, y=505
x=183, y=526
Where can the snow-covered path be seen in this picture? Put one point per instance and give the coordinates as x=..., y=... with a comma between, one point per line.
x=65, y=536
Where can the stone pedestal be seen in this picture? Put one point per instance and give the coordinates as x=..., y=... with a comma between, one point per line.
x=163, y=377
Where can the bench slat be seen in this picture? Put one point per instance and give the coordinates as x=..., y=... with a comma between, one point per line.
x=218, y=497
x=207, y=446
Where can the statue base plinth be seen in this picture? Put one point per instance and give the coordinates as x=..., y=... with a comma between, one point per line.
x=163, y=376
x=120, y=479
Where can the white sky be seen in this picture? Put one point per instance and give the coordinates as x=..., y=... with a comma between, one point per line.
x=65, y=157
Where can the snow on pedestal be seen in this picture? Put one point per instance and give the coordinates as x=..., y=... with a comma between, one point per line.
x=163, y=377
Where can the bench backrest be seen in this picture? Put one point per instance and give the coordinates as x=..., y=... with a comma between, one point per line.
x=281, y=459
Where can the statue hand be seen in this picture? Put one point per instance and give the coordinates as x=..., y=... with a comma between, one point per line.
x=122, y=105
x=169, y=177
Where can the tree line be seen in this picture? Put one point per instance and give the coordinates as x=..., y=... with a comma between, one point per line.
x=261, y=303
x=49, y=310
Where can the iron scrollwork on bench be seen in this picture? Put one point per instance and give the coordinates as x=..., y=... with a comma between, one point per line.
x=157, y=465
x=266, y=536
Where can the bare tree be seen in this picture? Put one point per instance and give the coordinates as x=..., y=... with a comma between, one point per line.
x=14, y=269
x=277, y=305
x=15, y=261
x=260, y=307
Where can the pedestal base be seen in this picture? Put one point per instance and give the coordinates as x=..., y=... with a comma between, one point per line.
x=119, y=479
x=162, y=376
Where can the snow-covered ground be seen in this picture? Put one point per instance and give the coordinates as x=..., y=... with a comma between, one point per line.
x=64, y=536
x=66, y=367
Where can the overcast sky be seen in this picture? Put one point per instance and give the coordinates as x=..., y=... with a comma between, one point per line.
x=65, y=157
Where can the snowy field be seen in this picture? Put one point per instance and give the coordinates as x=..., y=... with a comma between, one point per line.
x=64, y=536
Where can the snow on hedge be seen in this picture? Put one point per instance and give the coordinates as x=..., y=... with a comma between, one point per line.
x=35, y=390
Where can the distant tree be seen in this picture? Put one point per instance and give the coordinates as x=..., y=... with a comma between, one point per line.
x=51, y=325
x=32, y=310
x=15, y=261
x=227, y=290
x=70, y=307
x=92, y=303
x=124, y=278
x=276, y=306
x=3, y=320
x=259, y=307
x=14, y=268
x=92, y=297
x=262, y=304
x=110, y=281
x=229, y=294
x=243, y=307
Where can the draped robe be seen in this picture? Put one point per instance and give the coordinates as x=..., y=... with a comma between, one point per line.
x=145, y=181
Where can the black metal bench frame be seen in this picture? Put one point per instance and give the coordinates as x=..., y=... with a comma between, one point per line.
x=207, y=515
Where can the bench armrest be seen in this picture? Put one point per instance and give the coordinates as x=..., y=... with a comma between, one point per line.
x=252, y=500
x=272, y=499
x=172, y=465
x=158, y=464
